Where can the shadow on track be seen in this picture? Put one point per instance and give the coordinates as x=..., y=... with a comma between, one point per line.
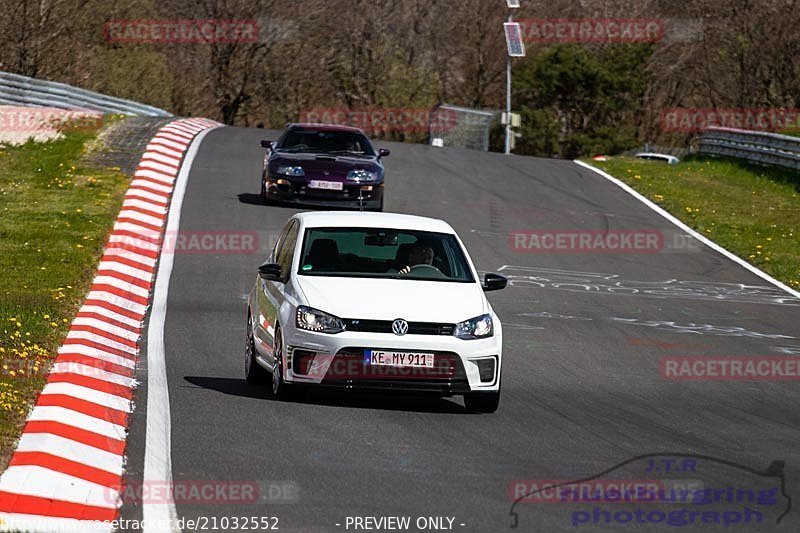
x=250, y=198
x=391, y=401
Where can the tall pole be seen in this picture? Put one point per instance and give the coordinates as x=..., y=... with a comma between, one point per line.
x=508, y=98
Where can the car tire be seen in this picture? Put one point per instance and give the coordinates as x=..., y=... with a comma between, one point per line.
x=254, y=373
x=280, y=390
x=482, y=402
x=264, y=198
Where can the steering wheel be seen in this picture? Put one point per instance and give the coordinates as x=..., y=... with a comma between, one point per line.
x=423, y=268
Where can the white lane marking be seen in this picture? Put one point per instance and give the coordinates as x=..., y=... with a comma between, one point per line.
x=45, y=483
x=711, y=244
x=71, y=450
x=158, y=446
x=63, y=415
x=26, y=522
x=112, y=401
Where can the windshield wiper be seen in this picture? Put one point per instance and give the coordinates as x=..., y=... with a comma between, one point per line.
x=294, y=150
x=348, y=152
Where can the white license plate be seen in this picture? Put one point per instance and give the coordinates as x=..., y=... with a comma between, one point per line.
x=330, y=185
x=404, y=359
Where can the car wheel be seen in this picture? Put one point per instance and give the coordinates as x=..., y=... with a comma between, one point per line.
x=264, y=197
x=482, y=402
x=254, y=373
x=279, y=387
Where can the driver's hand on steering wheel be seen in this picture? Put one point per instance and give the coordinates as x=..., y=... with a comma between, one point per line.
x=407, y=269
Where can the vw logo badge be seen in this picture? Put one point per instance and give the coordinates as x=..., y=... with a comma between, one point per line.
x=399, y=327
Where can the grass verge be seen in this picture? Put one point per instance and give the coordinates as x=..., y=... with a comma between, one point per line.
x=55, y=215
x=753, y=211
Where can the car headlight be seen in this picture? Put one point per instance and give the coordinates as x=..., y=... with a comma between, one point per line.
x=475, y=328
x=291, y=171
x=362, y=176
x=311, y=319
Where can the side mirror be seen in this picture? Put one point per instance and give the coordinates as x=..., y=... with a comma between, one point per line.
x=266, y=144
x=270, y=272
x=494, y=282
x=383, y=152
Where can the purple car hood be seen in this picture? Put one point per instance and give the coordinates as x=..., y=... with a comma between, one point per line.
x=330, y=166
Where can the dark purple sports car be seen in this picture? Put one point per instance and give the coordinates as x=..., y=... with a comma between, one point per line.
x=323, y=165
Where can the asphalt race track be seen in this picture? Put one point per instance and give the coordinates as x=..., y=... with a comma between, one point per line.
x=584, y=334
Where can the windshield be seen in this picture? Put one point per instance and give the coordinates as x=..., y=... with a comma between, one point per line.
x=383, y=253
x=344, y=142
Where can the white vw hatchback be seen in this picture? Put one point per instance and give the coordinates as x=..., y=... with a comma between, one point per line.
x=374, y=301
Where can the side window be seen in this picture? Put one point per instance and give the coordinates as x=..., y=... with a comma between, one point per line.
x=286, y=249
x=276, y=249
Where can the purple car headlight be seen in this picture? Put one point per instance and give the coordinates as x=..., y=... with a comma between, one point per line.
x=362, y=176
x=291, y=171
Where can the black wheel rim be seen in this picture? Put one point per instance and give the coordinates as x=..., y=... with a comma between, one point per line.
x=249, y=348
x=278, y=370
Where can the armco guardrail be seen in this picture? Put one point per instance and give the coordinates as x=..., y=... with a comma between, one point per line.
x=756, y=146
x=22, y=90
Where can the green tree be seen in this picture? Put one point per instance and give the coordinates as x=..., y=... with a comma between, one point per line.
x=577, y=99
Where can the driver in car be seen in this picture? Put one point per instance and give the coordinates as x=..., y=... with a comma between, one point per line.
x=420, y=254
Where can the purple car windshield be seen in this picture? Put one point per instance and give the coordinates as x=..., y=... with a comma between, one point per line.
x=325, y=141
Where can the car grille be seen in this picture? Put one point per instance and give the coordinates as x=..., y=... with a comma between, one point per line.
x=349, y=192
x=385, y=326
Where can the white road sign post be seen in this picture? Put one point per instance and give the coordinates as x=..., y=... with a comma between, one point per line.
x=516, y=48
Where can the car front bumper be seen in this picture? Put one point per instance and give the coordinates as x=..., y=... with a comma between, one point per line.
x=337, y=360
x=298, y=192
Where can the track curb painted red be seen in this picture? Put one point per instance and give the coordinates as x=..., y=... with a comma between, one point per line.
x=68, y=464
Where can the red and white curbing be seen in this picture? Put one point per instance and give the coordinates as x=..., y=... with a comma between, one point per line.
x=68, y=465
